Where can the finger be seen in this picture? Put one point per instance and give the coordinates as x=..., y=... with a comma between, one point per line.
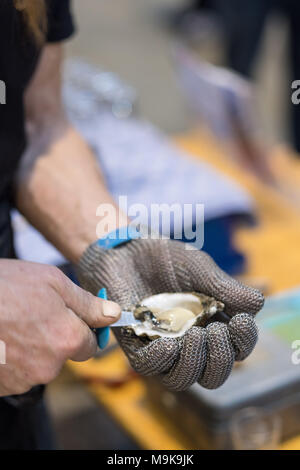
x=153, y=358
x=92, y=310
x=191, y=362
x=82, y=342
x=209, y=279
x=220, y=356
x=244, y=335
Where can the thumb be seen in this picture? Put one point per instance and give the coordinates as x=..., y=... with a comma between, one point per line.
x=92, y=310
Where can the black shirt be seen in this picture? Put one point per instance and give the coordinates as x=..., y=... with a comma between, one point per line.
x=18, y=59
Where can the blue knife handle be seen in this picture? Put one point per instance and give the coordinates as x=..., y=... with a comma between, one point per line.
x=102, y=333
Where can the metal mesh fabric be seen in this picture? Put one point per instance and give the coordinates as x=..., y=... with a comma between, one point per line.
x=140, y=268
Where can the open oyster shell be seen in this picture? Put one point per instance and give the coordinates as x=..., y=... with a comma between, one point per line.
x=170, y=315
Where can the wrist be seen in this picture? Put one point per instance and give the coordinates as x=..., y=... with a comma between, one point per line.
x=96, y=263
x=118, y=237
x=94, y=230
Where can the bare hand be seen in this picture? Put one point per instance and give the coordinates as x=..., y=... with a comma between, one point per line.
x=45, y=319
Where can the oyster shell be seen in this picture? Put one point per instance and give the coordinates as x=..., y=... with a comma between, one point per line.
x=170, y=315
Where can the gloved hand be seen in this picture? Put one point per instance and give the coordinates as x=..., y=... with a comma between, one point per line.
x=140, y=268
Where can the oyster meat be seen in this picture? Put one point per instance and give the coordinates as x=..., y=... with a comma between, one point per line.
x=170, y=315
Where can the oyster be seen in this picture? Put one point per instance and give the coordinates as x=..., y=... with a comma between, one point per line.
x=170, y=315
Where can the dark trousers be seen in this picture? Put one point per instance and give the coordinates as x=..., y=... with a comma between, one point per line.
x=24, y=422
x=243, y=23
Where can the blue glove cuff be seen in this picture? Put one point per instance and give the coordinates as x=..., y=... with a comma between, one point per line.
x=118, y=237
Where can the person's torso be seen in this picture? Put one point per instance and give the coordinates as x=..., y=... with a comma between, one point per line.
x=18, y=59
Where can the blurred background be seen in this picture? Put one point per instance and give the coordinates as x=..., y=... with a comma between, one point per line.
x=134, y=39
x=192, y=101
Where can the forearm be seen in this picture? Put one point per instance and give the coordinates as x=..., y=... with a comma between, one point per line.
x=59, y=188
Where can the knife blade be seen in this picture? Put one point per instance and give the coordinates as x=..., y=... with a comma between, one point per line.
x=126, y=319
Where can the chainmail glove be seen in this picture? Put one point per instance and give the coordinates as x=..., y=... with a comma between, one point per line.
x=140, y=268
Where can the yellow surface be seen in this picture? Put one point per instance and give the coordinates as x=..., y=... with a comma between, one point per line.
x=273, y=253
x=128, y=404
x=291, y=444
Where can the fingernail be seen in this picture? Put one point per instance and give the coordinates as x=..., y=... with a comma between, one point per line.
x=111, y=309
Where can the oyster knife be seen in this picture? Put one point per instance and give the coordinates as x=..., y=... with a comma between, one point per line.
x=126, y=319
